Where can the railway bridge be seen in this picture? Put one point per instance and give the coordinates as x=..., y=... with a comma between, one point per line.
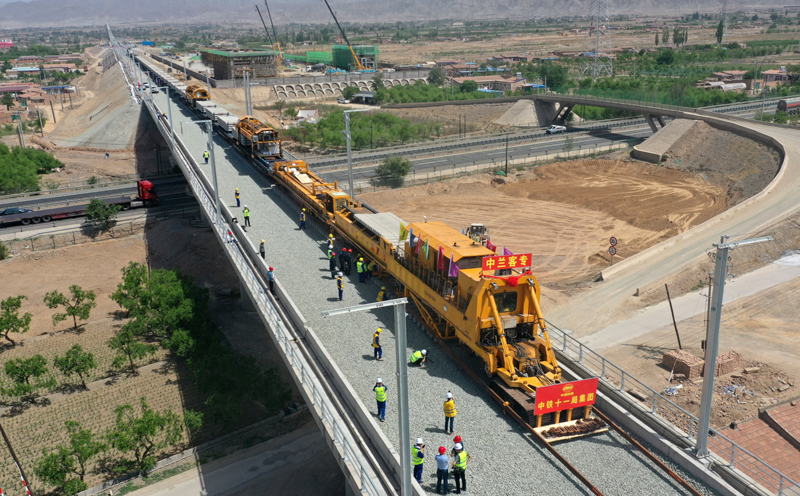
x=330, y=360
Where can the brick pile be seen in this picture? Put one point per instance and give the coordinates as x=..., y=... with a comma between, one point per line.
x=728, y=362
x=684, y=363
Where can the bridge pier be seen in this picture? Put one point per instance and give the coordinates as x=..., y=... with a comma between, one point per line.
x=652, y=124
x=563, y=113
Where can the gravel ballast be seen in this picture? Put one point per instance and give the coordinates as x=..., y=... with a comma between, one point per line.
x=506, y=461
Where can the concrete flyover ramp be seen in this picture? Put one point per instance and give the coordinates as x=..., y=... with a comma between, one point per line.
x=613, y=298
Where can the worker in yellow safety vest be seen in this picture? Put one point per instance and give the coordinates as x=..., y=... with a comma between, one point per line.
x=449, y=412
x=376, y=345
x=460, y=468
x=380, y=397
x=340, y=285
x=303, y=219
x=361, y=268
x=418, y=357
x=382, y=293
x=238, y=203
x=205, y=155
x=330, y=241
x=371, y=266
x=246, y=213
x=418, y=458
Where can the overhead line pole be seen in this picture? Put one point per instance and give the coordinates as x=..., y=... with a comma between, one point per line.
x=269, y=38
x=399, y=305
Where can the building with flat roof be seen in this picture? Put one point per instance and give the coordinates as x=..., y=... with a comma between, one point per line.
x=234, y=64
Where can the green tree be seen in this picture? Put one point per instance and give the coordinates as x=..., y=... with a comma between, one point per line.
x=78, y=306
x=146, y=434
x=556, y=75
x=394, y=167
x=291, y=112
x=10, y=320
x=720, y=31
x=468, y=86
x=348, y=92
x=7, y=100
x=129, y=348
x=665, y=35
x=76, y=362
x=657, y=37
x=436, y=76
x=28, y=376
x=101, y=213
x=59, y=467
x=279, y=105
x=377, y=82
x=569, y=144
x=665, y=57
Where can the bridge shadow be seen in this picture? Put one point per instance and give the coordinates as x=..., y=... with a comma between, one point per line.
x=609, y=134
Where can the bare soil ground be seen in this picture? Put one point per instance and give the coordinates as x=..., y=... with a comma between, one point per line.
x=166, y=383
x=479, y=118
x=569, y=211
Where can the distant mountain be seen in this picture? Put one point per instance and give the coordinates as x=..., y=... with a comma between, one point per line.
x=81, y=12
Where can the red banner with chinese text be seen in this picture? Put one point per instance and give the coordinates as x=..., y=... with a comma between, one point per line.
x=565, y=396
x=507, y=262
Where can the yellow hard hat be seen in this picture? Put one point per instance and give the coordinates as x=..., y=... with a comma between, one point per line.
x=379, y=330
x=262, y=240
x=304, y=210
x=237, y=189
x=383, y=288
x=360, y=259
x=330, y=235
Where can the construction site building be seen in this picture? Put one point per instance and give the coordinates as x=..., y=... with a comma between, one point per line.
x=343, y=58
x=232, y=65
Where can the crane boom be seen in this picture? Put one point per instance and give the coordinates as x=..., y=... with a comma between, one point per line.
x=355, y=57
x=274, y=33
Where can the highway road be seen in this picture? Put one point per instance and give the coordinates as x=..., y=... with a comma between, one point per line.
x=52, y=200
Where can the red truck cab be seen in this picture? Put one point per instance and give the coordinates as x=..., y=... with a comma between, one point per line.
x=147, y=193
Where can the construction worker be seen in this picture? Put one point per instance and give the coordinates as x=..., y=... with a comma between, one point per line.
x=246, y=216
x=332, y=262
x=442, y=474
x=419, y=357
x=238, y=202
x=303, y=219
x=348, y=259
x=330, y=241
x=418, y=458
x=263, y=250
x=340, y=285
x=380, y=397
x=206, y=155
x=361, y=268
x=371, y=266
x=449, y=412
x=460, y=468
x=271, y=280
x=456, y=440
x=382, y=294
x=341, y=259
x=377, y=352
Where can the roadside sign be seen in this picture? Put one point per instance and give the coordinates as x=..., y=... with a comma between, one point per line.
x=507, y=262
x=612, y=251
x=613, y=241
x=565, y=396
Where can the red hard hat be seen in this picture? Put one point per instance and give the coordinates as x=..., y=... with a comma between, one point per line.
x=350, y=250
x=457, y=439
x=270, y=268
x=442, y=450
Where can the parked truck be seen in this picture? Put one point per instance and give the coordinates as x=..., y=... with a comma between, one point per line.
x=147, y=197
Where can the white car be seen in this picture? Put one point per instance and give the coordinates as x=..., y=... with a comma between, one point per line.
x=342, y=100
x=555, y=129
x=155, y=89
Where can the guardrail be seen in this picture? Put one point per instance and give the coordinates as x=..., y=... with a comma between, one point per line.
x=304, y=375
x=650, y=400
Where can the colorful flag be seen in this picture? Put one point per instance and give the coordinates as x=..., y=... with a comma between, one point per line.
x=453, y=268
x=440, y=265
x=426, y=249
x=506, y=252
x=463, y=231
x=419, y=243
x=411, y=241
x=491, y=246
x=403, y=232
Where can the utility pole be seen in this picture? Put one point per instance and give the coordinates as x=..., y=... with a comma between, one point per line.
x=16, y=460
x=712, y=337
x=208, y=82
x=506, y=155
x=349, y=150
x=401, y=356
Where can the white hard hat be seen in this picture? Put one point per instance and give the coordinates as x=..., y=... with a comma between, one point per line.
x=459, y=446
x=419, y=441
x=340, y=274
x=448, y=395
x=424, y=352
x=245, y=206
x=379, y=380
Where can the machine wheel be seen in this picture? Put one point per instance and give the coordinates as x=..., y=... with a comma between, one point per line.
x=36, y=220
x=26, y=221
x=486, y=369
x=148, y=203
x=126, y=206
x=46, y=218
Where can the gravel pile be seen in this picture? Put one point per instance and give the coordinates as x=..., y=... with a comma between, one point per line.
x=505, y=460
